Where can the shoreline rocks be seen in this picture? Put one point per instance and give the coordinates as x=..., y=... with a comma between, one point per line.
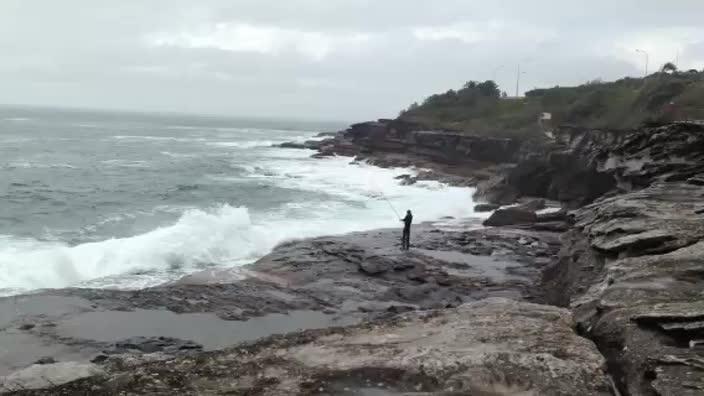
x=471, y=349
x=328, y=283
x=466, y=310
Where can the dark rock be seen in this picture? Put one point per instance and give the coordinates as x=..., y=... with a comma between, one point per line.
x=497, y=190
x=292, y=145
x=407, y=180
x=532, y=206
x=375, y=265
x=400, y=309
x=327, y=134
x=152, y=345
x=391, y=143
x=696, y=180
x=510, y=216
x=482, y=208
x=46, y=360
x=560, y=215
x=552, y=226
x=27, y=326
x=308, y=145
x=99, y=359
x=583, y=165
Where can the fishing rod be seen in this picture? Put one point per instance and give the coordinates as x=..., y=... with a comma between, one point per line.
x=390, y=205
x=383, y=196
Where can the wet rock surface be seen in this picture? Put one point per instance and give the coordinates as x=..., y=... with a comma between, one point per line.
x=511, y=216
x=332, y=282
x=471, y=349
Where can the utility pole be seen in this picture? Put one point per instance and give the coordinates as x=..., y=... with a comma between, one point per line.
x=647, y=60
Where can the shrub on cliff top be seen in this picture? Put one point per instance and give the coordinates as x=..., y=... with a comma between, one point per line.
x=479, y=108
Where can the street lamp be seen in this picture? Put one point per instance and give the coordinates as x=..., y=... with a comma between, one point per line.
x=647, y=59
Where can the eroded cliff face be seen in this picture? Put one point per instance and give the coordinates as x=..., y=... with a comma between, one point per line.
x=387, y=137
x=632, y=267
x=583, y=165
x=632, y=271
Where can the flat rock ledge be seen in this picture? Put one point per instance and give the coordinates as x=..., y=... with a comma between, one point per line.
x=495, y=346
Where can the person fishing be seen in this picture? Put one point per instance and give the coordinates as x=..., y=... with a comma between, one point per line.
x=406, y=238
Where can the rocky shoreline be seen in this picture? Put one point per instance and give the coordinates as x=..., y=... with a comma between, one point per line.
x=606, y=296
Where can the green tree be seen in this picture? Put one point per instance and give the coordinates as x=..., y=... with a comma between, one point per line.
x=669, y=68
x=489, y=88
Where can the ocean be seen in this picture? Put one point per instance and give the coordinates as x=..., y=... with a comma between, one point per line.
x=121, y=200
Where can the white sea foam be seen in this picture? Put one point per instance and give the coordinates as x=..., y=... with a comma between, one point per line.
x=38, y=165
x=245, y=144
x=228, y=236
x=126, y=163
x=160, y=138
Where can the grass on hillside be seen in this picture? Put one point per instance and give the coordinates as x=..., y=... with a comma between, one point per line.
x=480, y=108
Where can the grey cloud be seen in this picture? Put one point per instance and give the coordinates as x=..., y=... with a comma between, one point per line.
x=328, y=59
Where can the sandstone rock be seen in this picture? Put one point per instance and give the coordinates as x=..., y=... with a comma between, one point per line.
x=511, y=216
x=658, y=219
x=633, y=276
x=47, y=375
x=495, y=345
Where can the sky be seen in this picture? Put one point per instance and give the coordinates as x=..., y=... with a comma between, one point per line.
x=324, y=59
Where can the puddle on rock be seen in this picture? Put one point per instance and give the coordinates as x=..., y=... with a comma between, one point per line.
x=477, y=266
x=203, y=328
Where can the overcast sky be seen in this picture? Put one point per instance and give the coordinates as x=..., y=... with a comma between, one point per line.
x=323, y=59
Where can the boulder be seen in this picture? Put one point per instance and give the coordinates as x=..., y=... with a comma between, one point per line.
x=292, y=145
x=375, y=265
x=309, y=145
x=407, y=180
x=511, y=216
x=558, y=215
x=533, y=205
x=496, y=190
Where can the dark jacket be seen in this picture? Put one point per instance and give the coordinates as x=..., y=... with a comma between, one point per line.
x=407, y=221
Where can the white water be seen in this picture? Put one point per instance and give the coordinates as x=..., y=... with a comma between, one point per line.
x=222, y=235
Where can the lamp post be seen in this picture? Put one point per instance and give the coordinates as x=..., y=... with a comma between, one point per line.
x=647, y=60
